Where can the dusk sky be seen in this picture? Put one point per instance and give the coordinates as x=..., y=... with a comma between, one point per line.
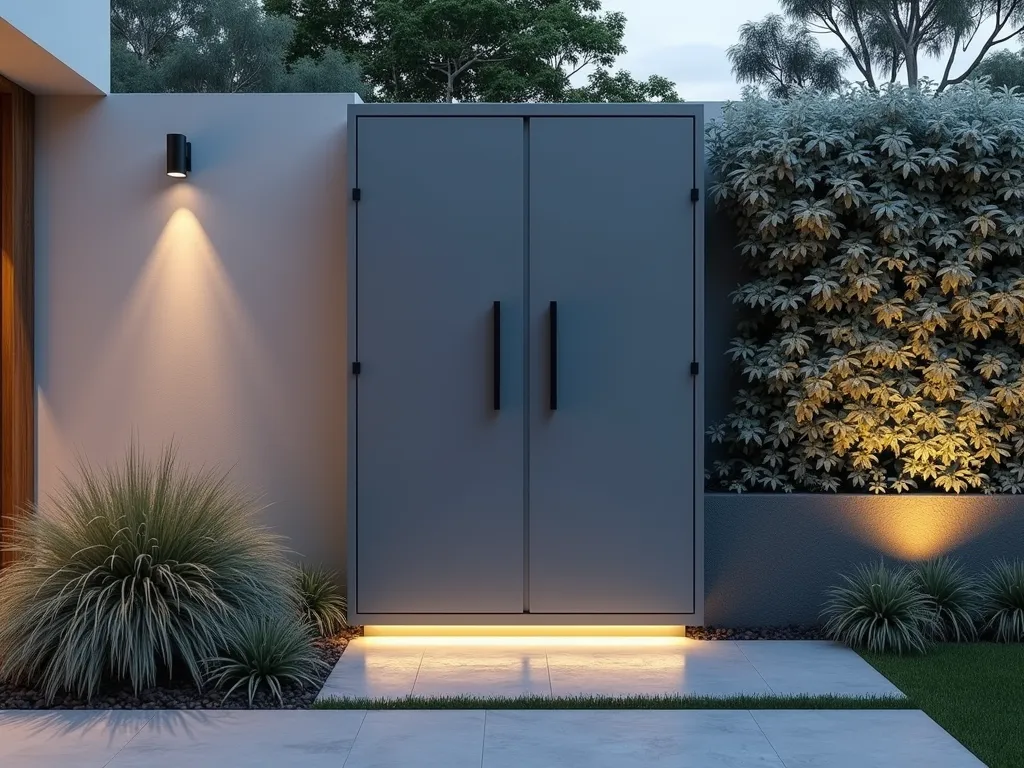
x=685, y=40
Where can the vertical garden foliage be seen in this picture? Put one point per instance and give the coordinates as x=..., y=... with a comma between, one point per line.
x=884, y=235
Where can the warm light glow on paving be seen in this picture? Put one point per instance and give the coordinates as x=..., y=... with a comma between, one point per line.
x=574, y=636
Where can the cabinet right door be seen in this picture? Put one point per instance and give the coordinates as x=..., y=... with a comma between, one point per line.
x=611, y=476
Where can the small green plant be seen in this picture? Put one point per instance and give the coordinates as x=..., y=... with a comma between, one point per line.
x=954, y=596
x=266, y=652
x=131, y=571
x=1002, y=601
x=879, y=609
x=320, y=601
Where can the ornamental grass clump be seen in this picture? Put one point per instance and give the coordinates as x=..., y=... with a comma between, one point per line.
x=134, y=574
x=1002, y=602
x=883, y=331
x=879, y=609
x=320, y=601
x=267, y=651
x=955, y=599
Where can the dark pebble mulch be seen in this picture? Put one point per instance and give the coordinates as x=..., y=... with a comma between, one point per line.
x=793, y=632
x=182, y=694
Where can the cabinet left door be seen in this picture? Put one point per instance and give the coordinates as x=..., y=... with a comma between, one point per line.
x=440, y=449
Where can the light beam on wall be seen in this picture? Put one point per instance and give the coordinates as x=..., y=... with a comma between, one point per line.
x=917, y=528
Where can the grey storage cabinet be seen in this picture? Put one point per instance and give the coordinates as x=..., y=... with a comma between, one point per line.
x=525, y=332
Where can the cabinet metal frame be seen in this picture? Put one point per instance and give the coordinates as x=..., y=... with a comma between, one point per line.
x=683, y=110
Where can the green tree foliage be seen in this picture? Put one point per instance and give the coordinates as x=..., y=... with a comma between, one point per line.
x=1004, y=69
x=885, y=234
x=474, y=50
x=622, y=87
x=150, y=28
x=322, y=25
x=886, y=37
x=429, y=50
x=783, y=58
x=556, y=39
x=239, y=50
x=217, y=46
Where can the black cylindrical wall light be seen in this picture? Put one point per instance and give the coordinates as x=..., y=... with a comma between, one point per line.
x=179, y=155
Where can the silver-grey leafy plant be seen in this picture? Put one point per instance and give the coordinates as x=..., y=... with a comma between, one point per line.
x=131, y=573
x=1002, y=606
x=882, y=350
x=320, y=601
x=267, y=652
x=954, y=596
x=879, y=609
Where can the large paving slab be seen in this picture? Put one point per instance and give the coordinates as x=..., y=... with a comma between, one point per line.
x=34, y=739
x=254, y=739
x=398, y=667
x=480, y=739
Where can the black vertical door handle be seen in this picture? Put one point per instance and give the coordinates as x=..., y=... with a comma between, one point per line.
x=553, y=356
x=496, y=354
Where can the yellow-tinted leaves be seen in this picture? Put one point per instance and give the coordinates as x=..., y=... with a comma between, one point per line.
x=884, y=346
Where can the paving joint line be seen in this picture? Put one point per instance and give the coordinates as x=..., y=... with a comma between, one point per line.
x=547, y=664
x=417, y=677
x=754, y=667
x=353, y=746
x=142, y=727
x=483, y=742
x=749, y=712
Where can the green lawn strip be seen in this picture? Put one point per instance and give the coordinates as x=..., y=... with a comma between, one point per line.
x=975, y=691
x=622, y=702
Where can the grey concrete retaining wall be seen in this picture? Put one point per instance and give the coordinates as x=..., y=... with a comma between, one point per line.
x=770, y=558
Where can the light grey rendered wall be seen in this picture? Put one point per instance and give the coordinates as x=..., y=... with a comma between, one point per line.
x=210, y=309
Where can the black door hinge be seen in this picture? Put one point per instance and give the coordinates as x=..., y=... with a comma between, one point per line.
x=357, y=193
x=356, y=368
x=694, y=368
x=695, y=194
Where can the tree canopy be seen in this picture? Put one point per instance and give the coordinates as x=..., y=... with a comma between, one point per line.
x=887, y=38
x=783, y=57
x=1004, y=69
x=474, y=50
x=220, y=46
x=387, y=50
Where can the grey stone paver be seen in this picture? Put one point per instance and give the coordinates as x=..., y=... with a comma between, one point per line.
x=226, y=738
x=478, y=739
x=395, y=669
x=484, y=673
x=34, y=739
x=420, y=738
x=625, y=739
x=811, y=666
x=858, y=738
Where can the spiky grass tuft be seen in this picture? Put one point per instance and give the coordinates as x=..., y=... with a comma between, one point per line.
x=320, y=600
x=879, y=609
x=955, y=599
x=266, y=652
x=130, y=572
x=1002, y=601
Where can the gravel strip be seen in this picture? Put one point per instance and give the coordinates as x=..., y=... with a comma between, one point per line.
x=182, y=694
x=792, y=632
